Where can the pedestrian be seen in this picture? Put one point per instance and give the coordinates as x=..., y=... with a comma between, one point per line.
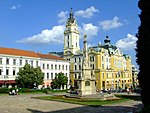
x=127, y=90
x=10, y=93
x=13, y=92
x=17, y=91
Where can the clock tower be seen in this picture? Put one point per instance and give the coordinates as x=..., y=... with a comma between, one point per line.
x=71, y=36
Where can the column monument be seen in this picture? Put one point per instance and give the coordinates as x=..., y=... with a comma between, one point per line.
x=86, y=83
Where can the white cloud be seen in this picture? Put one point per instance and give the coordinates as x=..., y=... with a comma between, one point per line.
x=53, y=36
x=14, y=7
x=91, y=45
x=88, y=29
x=110, y=24
x=88, y=13
x=127, y=43
x=63, y=16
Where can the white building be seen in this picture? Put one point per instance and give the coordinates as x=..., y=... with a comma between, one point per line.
x=51, y=65
x=13, y=59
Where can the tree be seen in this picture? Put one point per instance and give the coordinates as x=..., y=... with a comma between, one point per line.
x=60, y=80
x=29, y=77
x=143, y=47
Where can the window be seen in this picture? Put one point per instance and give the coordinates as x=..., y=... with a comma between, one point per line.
x=75, y=75
x=79, y=76
x=93, y=66
x=75, y=67
x=75, y=60
x=103, y=75
x=62, y=67
x=51, y=66
x=102, y=66
x=116, y=75
x=68, y=40
x=14, y=61
x=7, y=61
x=51, y=75
x=26, y=61
x=7, y=72
x=79, y=59
x=55, y=66
x=92, y=58
x=103, y=84
x=37, y=63
x=47, y=75
x=14, y=72
x=43, y=66
x=0, y=60
x=20, y=62
x=66, y=67
x=79, y=67
x=31, y=63
x=59, y=67
x=107, y=75
x=47, y=66
x=55, y=74
x=0, y=71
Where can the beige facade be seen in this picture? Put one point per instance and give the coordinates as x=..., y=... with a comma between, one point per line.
x=111, y=67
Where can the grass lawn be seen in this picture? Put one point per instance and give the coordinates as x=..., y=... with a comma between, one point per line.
x=93, y=102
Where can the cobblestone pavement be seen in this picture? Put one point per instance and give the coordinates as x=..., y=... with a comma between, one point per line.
x=26, y=104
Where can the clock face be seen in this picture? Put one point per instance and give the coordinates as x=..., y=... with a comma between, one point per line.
x=68, y=53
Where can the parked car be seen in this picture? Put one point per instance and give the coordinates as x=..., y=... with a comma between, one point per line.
x=104, y=91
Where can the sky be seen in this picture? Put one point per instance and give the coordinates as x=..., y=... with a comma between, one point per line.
x=38, y=25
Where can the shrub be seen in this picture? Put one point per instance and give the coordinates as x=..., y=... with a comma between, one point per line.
x=4, y=90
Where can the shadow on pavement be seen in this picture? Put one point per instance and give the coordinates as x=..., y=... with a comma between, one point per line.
x=102, y=109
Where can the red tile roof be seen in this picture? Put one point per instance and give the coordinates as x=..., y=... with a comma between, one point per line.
x=18, y=52
x=49, y=56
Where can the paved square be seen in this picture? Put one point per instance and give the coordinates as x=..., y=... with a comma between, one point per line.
x=25, y=104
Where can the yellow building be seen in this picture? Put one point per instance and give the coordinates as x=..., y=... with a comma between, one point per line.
x=112, y=68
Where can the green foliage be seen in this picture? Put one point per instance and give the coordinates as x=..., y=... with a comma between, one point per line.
x=143, y=47
x=60, y=80
x=29, y=77
x=27, y=90
x=4, y=90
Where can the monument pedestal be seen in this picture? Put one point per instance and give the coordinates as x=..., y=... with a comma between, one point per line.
x=86, y=87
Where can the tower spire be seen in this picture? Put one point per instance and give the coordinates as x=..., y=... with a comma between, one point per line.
x=71, y=13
